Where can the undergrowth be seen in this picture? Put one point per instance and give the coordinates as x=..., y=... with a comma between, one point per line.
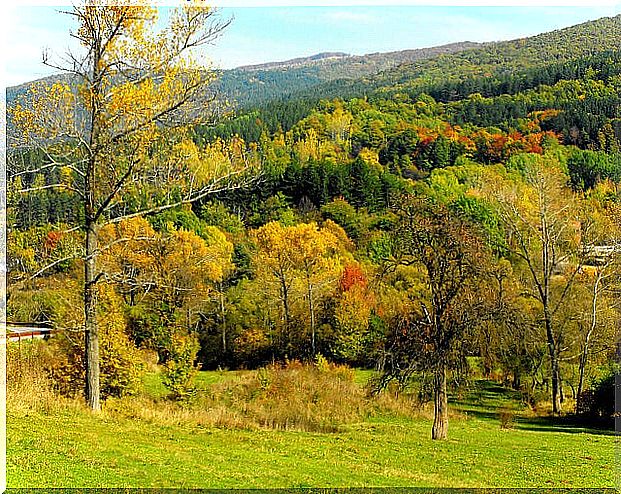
x=320, y=397
x=28, y=386
x=316, y=397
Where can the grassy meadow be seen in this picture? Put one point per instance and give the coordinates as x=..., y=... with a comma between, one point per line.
x=147, y=441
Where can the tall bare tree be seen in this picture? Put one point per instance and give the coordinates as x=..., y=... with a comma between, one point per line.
x=545, y=231
x=600, y=280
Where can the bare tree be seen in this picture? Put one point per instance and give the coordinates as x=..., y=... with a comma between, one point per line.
x=544, y=227
x=600, y=279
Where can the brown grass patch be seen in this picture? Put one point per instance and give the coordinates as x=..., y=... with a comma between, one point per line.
x=319, y=397
x=304, y=397
x=294, y=396
x=28, y=386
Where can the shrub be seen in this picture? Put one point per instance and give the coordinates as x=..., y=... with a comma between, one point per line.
x=121, y=363
x=604, y=397
x=179, y=369
x=507, y=417
x=319, y=397
x=598, y=403
x=313, y=397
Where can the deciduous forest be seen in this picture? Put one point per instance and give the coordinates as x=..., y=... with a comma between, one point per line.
x=389, y=241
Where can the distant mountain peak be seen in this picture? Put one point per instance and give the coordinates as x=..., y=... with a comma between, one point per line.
x=294, y=62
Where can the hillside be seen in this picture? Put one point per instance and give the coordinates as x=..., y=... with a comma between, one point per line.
x=509, y=57
x=491, y=62
x=295, y=62
x=493, y=69
x=254, y=85
x=336, y=74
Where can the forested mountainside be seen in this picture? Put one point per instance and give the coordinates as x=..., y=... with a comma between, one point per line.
x=491, y=70
x=498, y=59
x=255, y=85
x=505, y=159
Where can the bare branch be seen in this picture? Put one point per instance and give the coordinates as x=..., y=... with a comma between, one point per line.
x=47, y=187
x=213, y=188
x=51, y=265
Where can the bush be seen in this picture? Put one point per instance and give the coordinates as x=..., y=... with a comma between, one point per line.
x=507, y=417
x=317, y=397
x=27, y=385
x=179, y=369
x=604, y=397
x=599, y=402
x=121, y=363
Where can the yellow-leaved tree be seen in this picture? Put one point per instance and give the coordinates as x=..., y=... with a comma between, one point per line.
x=548, y=233
x=301, y=261
x=166, y=279
x=118, y=124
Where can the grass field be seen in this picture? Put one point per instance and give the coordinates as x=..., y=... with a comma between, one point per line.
x=70, y=447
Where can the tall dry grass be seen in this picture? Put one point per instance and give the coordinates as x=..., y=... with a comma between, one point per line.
x=28, y=386
x=318, y=397
x=285, y=397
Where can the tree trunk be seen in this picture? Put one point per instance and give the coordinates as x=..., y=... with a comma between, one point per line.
x=223, y=316
x=91, y=333
x=554, y=365
x=517, y=380
x=284, y=293
x=584, y=357
x=556, y=382
x=440, y=410
x=582, y=369
x=311, y=309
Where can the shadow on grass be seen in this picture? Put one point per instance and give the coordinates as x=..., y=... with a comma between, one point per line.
x=485, y=400
x=569, y=424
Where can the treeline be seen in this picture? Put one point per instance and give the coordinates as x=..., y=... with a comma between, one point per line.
x=585, y=91
x=328, y=252
x=602, y=66
x=368, y=152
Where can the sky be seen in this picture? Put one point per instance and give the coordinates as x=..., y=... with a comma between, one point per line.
x=269, y=33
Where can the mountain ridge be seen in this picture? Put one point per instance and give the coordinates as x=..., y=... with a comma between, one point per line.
x=254, y=84
x=337, y=74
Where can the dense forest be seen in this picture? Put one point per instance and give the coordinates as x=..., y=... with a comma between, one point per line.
x=464, y=207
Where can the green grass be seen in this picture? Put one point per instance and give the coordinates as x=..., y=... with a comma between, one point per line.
x=152, y=382
x=73, y=448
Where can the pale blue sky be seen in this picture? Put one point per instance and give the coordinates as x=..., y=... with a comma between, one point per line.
x=262, y=34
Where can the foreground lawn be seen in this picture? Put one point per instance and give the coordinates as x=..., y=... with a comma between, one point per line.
x=74, y=448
